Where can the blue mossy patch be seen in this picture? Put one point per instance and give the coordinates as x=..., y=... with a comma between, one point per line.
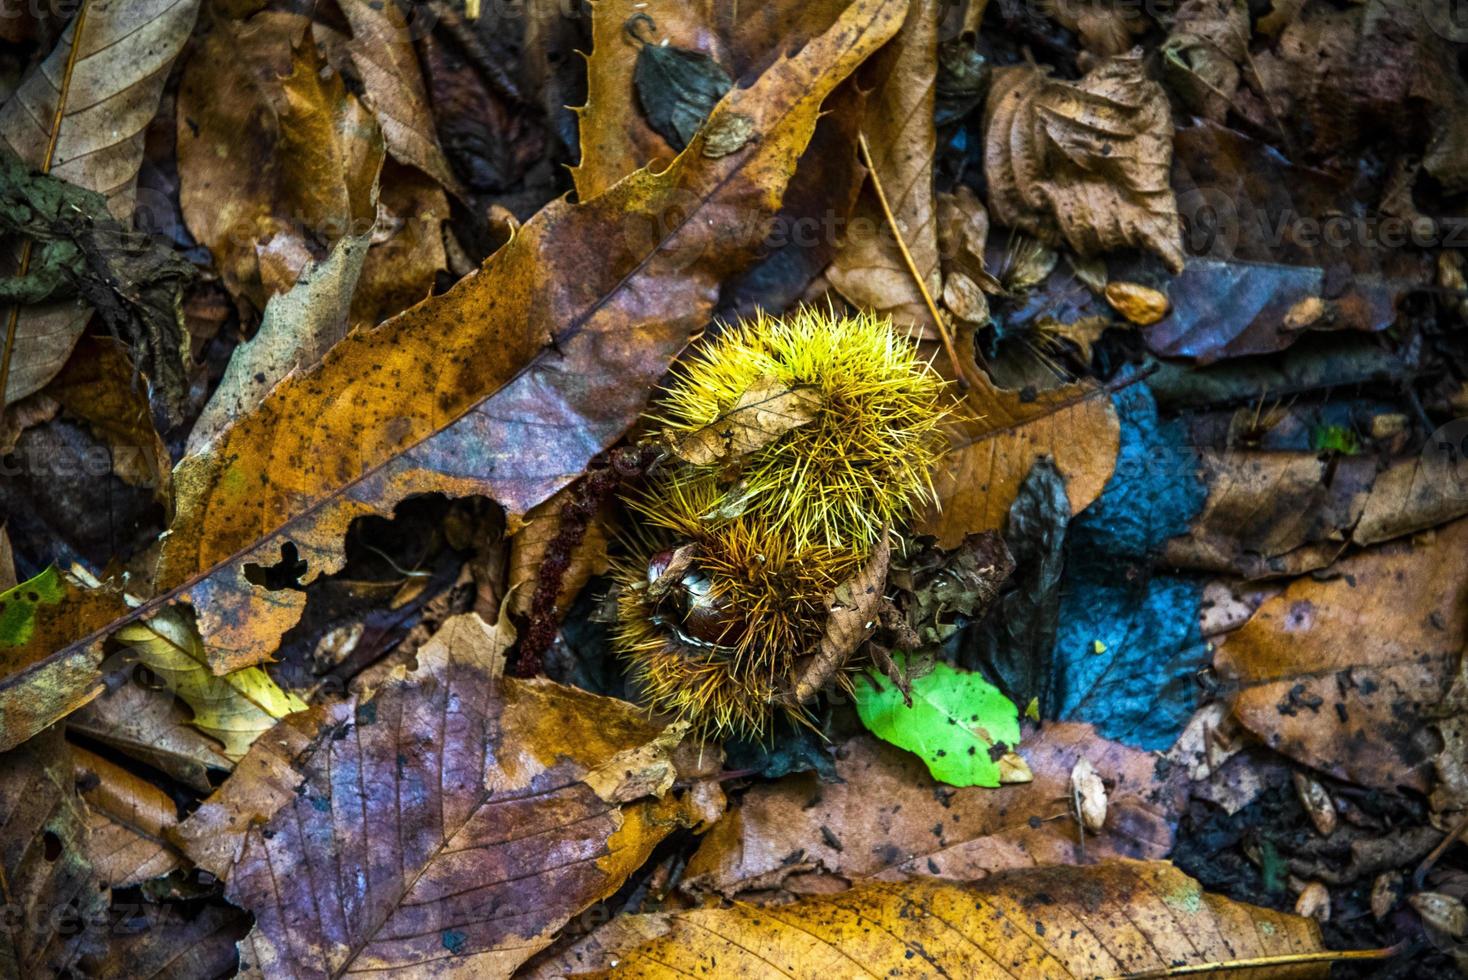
x=1127, y=646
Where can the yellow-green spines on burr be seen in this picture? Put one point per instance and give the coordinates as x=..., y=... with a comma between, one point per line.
x=863, y=462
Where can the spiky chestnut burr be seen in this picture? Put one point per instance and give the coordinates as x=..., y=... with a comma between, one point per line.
x=712, y=618
x=863, y=462
x=731, y=565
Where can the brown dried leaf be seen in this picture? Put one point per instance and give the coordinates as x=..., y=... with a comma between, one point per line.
x=128, y=819
x=381, y=47
x=56, y=911
x=1085, y=162
x=1341, y=674
x=449, y=823
x=1106, y=27
x=963, y=231
x=1202, y=54
x=868, y=269
x=290, y=162
x=887, y=818
x=1075, y=425
x=1122, y=918
x=1271, y=514
x=110, y=95
x=851, y=618
x=762, y=414
x=615, y=138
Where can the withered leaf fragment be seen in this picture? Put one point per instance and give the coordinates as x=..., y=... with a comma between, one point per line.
x=1084, y=162
x=677, y=88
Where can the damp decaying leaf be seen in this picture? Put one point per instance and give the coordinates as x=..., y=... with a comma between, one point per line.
x=851, y=617
x=676, y=87
x=456, y=395
x=56, y=911
x=1340, y=674
x=78, y=249
x=1085, y=163
x=456, y=804
x=1075, y=425
x=82, y=120
x=1123, y=918
x=887, y=817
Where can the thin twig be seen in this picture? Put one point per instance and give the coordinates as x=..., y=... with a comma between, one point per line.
x=960, y=369
x=1420, y=875
x=12, y=321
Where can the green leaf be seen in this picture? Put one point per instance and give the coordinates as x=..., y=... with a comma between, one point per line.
x=18, y=606
x=959, y=725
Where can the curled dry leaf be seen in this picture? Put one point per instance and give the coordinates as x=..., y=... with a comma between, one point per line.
x=888, y=818
x=1341, y=674
x=963, y=231
x=868, y=268
x=105, y=102
x=1140, y=304
x=1075, y=425
x=1089, y=793
x=1085, y=162
x=458, y=394
x=1202, y=54
x=762, y=414
x=381, y=48
x=449, y=822
x=51, y=891
x=1123, y=918
x=128, y=818
x=851, y=618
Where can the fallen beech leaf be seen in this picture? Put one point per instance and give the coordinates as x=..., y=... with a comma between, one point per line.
x=890, y=818
x=291, y=161
x=868, y=269
x=381, y=47
x=56, y=910
x=235, y=708
x=1105, y=27
x=1140, y=304
x=1110, y=920
x=102, y=102
x=1084, y=162
x=128, y=818
x=1075, y=425
x=1339, y=674
x=851, y=618
x=762, y=414
x=961, y=726
x=451, y=814
x=514, y=351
